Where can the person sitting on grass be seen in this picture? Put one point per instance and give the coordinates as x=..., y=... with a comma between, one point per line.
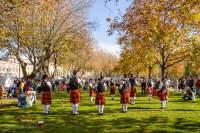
x=189, y=94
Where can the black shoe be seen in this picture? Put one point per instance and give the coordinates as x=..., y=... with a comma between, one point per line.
x=74, y=114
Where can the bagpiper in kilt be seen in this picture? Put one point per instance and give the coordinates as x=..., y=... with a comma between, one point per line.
x=125, y=93
x=46, y=90
x=112, y=90
x=100, y=98
x=74, y=87
x=162, y=93
x=133, y=95
x=150, y=89
x=91, y=91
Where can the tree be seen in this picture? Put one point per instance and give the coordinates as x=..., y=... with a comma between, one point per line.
x=36, y=33
x=102, y=61
x=154, y=25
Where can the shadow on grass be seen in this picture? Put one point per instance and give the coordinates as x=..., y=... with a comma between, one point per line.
x=89, y=121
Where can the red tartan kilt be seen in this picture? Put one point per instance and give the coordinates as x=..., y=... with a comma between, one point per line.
x=46, y=98
x=91, y=92
x=75, y=96
x=125, y=97
x=162, y=95
x=133, y=92
x=112, y=90
x=150, y=90
x=62, y=89
x=154, y=92
x=100, y=99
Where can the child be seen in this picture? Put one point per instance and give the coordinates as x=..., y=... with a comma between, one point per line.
x=31, y=98
x=22, y=101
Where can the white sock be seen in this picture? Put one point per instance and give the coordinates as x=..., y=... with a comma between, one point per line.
x=98, y=108
x=73, y=108
x=76, y=108
x=126, y=107
x=162, y=104
x=46, y=109
x=133, y=101
x=91, y=99
x=101, y=109
x=113, y=96
x=149, y=97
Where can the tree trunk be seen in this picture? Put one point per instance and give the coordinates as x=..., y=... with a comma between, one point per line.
x=163, y=71
x=150, y=71
x=23, y=67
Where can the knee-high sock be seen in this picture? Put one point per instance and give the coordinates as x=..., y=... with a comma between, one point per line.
x=73, y=108
x=132, y=100
x=113, y=97
x=101, y=109
x=98, y=108
x=149, y=97
x=76, y=108
x=126, y=107
x=91, y=99
x=163, y=104
x=46, y=109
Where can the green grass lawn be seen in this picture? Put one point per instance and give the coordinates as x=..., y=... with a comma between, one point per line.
x=143, y=117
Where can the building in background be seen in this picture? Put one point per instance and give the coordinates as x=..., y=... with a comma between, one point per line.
x=11, y=67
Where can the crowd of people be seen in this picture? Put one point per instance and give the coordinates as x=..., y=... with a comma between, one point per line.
x=26, y=90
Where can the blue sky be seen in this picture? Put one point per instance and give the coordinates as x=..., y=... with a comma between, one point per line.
x=98, y=13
